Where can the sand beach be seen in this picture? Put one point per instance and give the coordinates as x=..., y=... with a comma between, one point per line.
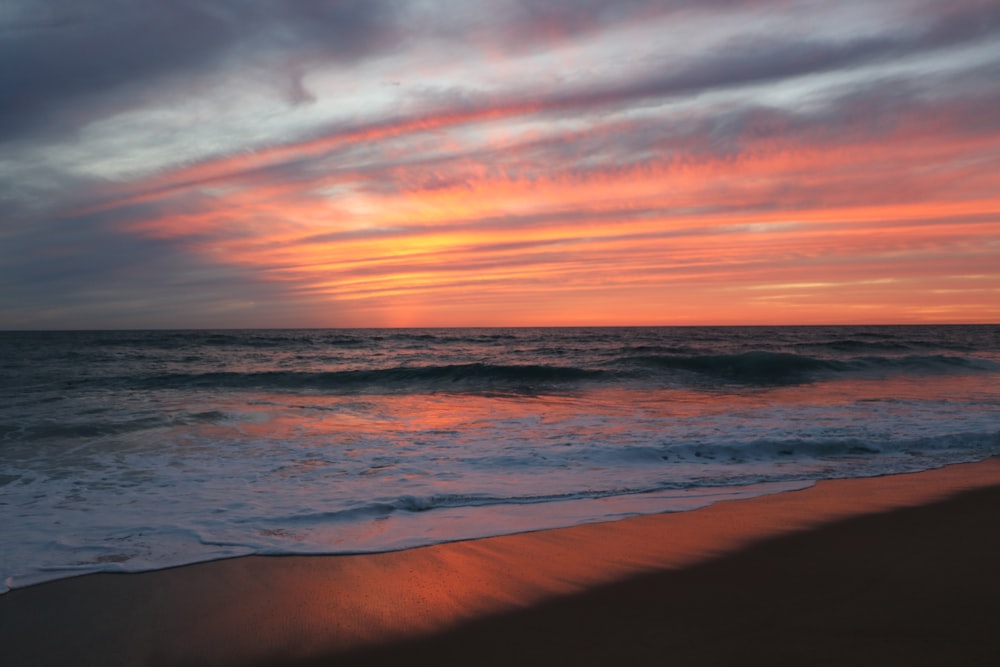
x=891, y=570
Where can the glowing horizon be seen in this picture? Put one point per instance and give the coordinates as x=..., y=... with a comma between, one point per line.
x=540, y=164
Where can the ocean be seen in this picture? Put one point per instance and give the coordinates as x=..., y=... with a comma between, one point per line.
x=138, y=450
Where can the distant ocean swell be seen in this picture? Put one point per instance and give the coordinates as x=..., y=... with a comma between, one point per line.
x=777, y=367
x=750, y=368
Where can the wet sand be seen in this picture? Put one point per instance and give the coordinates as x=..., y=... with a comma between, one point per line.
x=892, y=570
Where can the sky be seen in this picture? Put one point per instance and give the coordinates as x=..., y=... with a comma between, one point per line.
x=377, y=163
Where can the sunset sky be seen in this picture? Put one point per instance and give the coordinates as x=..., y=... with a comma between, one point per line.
x=255, y=163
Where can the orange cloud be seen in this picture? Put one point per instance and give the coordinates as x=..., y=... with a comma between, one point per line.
x=492, y=228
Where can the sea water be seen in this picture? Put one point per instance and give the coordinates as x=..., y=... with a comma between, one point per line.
x=136, y=450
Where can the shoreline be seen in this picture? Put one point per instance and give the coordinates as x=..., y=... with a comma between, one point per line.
x=586, y=581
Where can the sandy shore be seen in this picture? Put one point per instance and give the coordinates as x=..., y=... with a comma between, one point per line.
x=893, y=570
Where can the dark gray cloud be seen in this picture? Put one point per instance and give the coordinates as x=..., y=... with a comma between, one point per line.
x=519, y=25
x=846, y=113
x=66, y=61
x=84, y=271
x=756, y=59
